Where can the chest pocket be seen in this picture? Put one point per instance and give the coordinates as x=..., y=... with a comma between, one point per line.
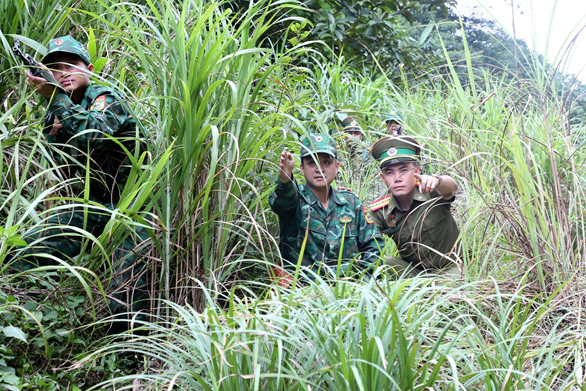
x=423, y=228
x=347, y=237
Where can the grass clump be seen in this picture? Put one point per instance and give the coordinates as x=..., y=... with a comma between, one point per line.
x=392, y=335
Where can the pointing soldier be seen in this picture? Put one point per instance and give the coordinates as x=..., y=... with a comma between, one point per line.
x=415, y=213
x=333, y=220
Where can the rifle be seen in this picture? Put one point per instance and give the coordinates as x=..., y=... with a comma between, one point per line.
x=35, y=70
x=33, y=65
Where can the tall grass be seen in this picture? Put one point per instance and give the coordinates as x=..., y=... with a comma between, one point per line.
x=218, y=107
x=389, y=335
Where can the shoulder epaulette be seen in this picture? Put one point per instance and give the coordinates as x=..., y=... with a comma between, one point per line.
x=380, y=203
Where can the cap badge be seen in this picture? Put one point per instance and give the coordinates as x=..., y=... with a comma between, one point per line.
x=392, y=151
x=59, y=42
x=353, y=123
x=319, y=139
x=346, y=219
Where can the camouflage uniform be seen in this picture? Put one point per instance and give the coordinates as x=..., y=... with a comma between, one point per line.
x=85, y=131
x=299, y=209
x=341, y=231
x=83, y=141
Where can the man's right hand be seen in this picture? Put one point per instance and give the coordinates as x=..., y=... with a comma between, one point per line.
x=56, y=127
x=286, y=166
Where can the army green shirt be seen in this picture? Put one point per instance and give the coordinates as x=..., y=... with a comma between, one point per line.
x=342, y=229
x=428, y=225
x=86, y=130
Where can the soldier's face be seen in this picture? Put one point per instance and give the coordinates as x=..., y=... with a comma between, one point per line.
x=321, y=173
x=356, y=134
x=400, y=178
x=71, y=72
x=394, y=128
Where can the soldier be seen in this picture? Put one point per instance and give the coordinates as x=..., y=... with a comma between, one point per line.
x=416, y=211
x=333, y=220
x=91, y=122
x=354, y=135
x=395, y=123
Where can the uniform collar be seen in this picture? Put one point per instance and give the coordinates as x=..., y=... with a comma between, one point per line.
x=336, y=196
x=417, y=196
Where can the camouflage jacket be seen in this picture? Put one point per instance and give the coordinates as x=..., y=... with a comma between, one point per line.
x=300, y=212
x=428, y=225
x=86, y=130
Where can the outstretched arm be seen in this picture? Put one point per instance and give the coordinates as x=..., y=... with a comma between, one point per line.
x=445, y=185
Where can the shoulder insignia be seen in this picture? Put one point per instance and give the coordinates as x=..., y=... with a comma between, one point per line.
x=367, y=215
x=346, y=219
x=379, y=204
x=99, y=103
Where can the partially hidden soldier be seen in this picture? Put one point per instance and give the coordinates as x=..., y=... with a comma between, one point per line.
x=333, y=220
x=395, y=123
x=90, y=123
x=416, y=212
x=354, y=139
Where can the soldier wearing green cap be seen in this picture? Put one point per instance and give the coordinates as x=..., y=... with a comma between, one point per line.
x=93, y=126
x=395, y=123
x=415, y=213
x=333, y=220
x=354, y=138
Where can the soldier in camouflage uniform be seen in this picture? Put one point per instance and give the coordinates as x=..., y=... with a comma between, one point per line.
x=416, y=211
x=90, y=122
x=333, y=220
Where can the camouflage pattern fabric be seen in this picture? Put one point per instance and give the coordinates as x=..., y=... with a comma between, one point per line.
x=299, y=209
x=428, y=225
x=59, y=238
x=84, y=135
x=85, y=132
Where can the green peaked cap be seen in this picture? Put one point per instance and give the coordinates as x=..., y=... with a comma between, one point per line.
x=314, y=143
x=394, y=116
x=350, y=124
x=66, y=45
x=395, y=149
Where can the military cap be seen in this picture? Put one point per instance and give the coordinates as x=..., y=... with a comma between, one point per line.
x=66, y=45
x=392, y=150
x=394, y=116
x=318, y=143
x=351, y=125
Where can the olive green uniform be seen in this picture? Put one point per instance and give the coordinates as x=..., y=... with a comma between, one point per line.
x=423, y=234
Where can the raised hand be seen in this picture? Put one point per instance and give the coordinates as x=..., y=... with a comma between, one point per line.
x=286, y=166
x=427, y=183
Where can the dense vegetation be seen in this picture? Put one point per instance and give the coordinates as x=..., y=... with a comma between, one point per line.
x=220, y=97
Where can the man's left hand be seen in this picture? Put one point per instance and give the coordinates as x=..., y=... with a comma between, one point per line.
x=427, y=183
x=41, y=85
